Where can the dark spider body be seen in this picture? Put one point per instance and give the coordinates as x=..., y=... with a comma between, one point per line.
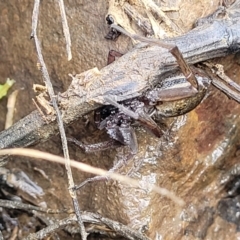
x=118, y=124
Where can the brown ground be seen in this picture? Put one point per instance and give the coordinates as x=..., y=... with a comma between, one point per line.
x=199, y=149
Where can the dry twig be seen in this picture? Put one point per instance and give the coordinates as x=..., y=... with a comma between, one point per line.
x=29, y=207
x=65, y=29
x=49, y=86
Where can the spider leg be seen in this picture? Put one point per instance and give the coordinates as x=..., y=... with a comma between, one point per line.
x=149, y=123
x=130, y=138
x=139, y=115
x=115, y=168
x=95, y=147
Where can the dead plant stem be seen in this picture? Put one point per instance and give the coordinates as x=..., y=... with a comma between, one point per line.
x=49, y=86
x=65, y=29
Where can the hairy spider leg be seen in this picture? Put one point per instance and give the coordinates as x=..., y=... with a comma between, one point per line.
x=96, y=146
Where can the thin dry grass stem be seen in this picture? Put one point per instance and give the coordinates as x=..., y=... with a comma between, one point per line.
x=11, y=108
x=65, y=29
x=49, y=86
x=35, y=17
x=89, y=169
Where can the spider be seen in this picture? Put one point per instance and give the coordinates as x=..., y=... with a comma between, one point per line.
x=173, y=96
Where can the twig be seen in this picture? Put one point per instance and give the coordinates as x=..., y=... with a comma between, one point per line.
x=29, y=207
x=65, y=29
x=86, y=216
x=229, y=92
x=218, y=77
x=220, y=72
x=63, y=137
x=51, y=229
x=119, y=228
x=35, y=17
x=49, y=86
x=89, y=218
